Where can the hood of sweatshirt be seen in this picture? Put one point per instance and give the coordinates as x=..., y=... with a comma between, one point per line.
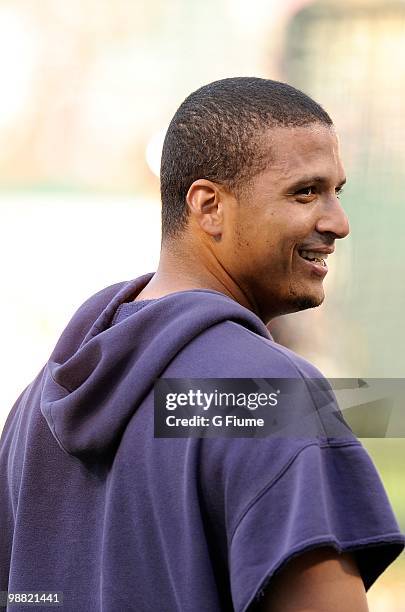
x=98, y=374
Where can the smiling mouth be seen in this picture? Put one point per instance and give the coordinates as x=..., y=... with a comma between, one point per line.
x=314, y=256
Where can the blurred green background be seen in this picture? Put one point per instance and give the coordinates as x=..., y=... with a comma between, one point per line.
x=88, y=89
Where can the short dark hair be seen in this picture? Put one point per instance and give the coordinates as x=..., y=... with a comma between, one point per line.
x=215, y=135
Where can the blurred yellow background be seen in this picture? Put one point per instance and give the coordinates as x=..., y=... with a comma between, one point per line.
x=88, y=89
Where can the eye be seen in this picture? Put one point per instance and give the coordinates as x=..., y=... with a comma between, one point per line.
x=339, y=192
x=306, y=192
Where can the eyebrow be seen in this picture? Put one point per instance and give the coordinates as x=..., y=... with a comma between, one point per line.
x=313, y=180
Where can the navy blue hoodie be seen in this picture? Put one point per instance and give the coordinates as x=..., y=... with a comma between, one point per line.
x=96, y=507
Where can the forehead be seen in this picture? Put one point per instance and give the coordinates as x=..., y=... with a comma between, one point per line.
x=303, y=151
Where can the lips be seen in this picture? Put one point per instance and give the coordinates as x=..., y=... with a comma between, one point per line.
x=314, y=258
x=315, y=253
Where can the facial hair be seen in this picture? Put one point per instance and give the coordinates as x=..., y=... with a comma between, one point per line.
x=304, y=302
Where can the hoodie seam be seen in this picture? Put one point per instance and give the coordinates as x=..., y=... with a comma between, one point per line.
x=253, y=501
x=57, y=383
x=51, y=415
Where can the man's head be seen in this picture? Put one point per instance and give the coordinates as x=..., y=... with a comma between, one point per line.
x=250, y=176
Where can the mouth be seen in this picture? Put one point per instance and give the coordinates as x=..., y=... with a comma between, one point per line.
x=315, y=260
x=314, y=256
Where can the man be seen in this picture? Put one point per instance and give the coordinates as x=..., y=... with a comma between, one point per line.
x=93, y=504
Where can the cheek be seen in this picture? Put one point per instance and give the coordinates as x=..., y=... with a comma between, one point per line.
x=246, y=235
x=241, y=238
x=268, y=241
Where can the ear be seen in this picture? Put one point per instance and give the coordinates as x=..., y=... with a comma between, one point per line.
x=205, y=202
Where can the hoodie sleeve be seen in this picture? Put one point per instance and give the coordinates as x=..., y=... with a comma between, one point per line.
x=327, y=495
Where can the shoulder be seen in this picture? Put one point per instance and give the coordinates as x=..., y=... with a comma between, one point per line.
x=229, y=349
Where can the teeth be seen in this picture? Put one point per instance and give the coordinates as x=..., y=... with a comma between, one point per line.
x=315, y=256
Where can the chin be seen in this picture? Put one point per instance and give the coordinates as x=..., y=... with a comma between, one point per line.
x=306, y=300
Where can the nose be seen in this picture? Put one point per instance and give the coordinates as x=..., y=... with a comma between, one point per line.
x=333, y=219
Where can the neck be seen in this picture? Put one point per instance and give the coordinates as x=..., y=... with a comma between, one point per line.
x=180, y=269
